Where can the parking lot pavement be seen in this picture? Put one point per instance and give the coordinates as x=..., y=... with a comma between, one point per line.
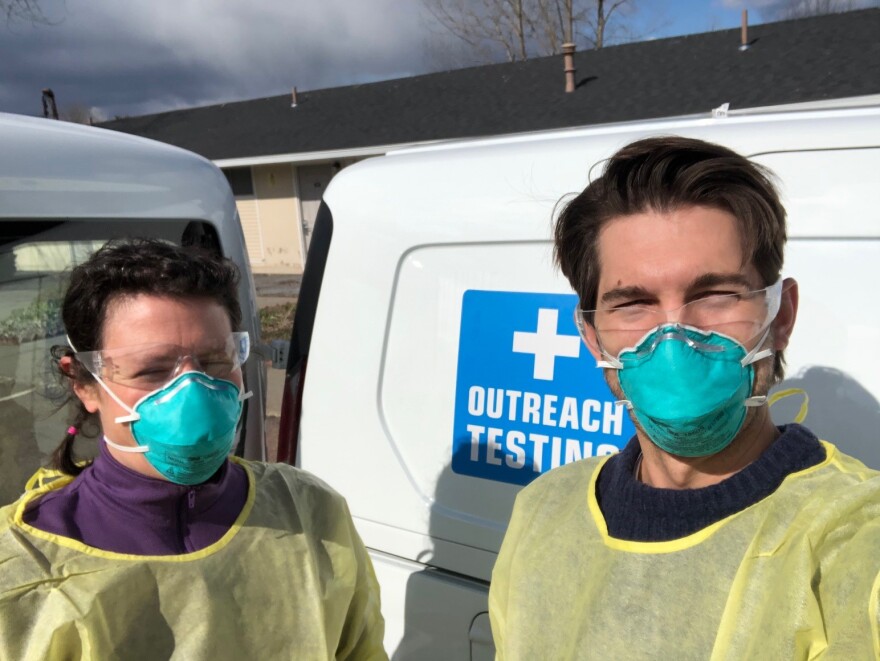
x=271, y=430
x=274, y=389
x=284, y=286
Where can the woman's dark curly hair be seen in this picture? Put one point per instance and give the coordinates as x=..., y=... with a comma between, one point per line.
x=127, y=267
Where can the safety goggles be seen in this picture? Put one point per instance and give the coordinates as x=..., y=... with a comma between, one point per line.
x=150, y=366
x=742, y=316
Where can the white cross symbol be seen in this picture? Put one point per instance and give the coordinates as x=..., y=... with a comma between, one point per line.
x=546, y=344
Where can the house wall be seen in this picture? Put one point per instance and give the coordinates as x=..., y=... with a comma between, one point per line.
x=276, y=220
x=273, y=241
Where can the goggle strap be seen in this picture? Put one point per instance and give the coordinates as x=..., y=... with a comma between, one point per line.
x=131, y=417
x=774, y=291
x=127, y=448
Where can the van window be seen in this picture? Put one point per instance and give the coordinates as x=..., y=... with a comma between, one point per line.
x=826, y=192
x=36, y=258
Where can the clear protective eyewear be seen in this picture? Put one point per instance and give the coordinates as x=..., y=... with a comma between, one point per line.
x=150, y=366
x=740, y=316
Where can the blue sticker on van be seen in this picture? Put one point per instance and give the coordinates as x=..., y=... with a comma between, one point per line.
x=528, y=394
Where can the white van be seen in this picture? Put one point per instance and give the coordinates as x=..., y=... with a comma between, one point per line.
x=435, y=367
x=64, y=191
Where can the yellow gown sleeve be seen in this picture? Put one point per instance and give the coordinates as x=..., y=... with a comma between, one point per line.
x=364, y=628
x=526, y=507
x=849, y=591
x=498, y=592
x=498, y=589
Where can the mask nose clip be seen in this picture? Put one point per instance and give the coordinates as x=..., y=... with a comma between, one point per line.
x=677, y=331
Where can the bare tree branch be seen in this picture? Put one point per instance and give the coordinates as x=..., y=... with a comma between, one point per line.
x=602, y=15
x=523, y=28
x=78, y=114
x=504, y=23
x=27, y=11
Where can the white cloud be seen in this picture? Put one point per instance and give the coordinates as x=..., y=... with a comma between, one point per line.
x=141, y=56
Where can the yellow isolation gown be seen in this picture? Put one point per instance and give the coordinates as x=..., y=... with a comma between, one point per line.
x=289, y=580
x=794, y=576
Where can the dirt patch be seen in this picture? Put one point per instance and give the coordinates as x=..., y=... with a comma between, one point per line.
x=276, y=321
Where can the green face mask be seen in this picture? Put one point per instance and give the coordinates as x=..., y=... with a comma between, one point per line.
x=688, y=388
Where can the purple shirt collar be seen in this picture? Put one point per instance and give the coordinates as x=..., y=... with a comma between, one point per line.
x=154, y=496
x=114, y=508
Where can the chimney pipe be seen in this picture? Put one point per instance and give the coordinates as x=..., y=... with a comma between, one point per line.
x=49, y=107
x=568, y=59
x=293, y=98
x=744, y=36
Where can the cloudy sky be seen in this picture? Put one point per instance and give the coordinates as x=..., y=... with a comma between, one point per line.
x=132, y=57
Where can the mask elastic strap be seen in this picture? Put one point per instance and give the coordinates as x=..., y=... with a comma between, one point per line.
x=245, y=395
x=611, y=364
x=132, y=416
x=805, y=405
x=127, y=448
x=624, y=402
x=757, y=353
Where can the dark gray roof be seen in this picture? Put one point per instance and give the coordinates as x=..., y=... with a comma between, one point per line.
x=825, y=57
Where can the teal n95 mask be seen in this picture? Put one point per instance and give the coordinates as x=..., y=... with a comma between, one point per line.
x=186, y=428
x=689, y=383
x=689, y=389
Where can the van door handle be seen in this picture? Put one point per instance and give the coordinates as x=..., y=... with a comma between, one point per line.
x=480, y=634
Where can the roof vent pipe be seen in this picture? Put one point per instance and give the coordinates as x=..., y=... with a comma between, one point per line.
x=293, y=98
x=568, y=59
x=744, y=33
x=50, y=109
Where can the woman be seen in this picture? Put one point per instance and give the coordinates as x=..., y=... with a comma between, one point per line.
x=164, y=546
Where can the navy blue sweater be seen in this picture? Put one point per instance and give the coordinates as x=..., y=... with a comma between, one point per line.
x=638, y=512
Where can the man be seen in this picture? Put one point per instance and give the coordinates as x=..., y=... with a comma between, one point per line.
x=713, y=534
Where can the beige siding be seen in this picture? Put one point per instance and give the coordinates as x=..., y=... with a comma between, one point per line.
x=278, y=218
x=272, y=219
x=249, y=212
